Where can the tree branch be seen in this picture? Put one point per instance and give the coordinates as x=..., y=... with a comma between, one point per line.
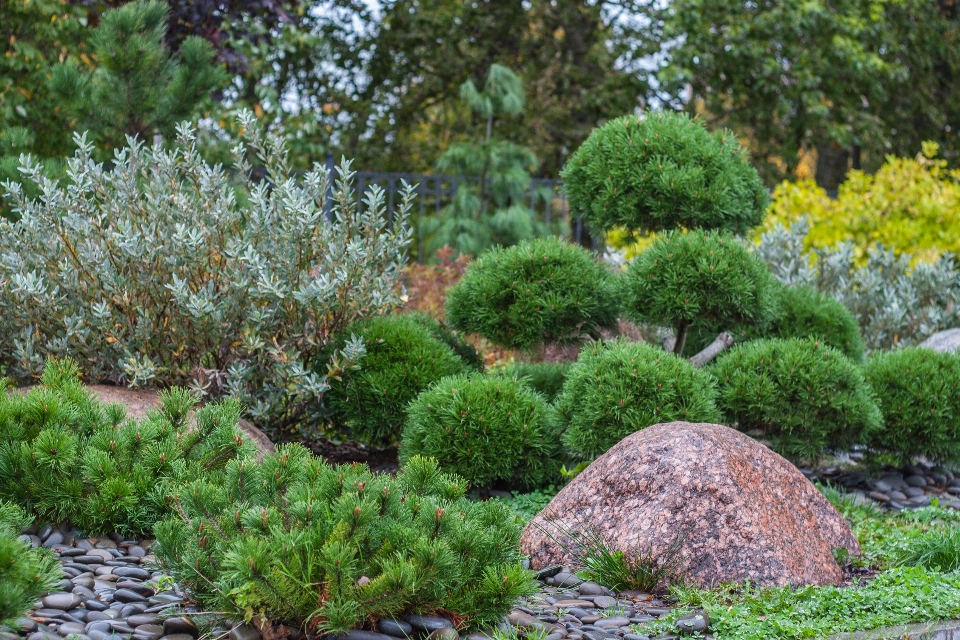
x=712, y=350
x=667, y=338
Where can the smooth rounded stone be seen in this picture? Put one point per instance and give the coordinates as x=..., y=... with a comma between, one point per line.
x=83, y=593
x=953, y=489
x=447, y=633
x=566, y=580
x=132, y=572
x=590, y=619
x=578, y=603
x=545, y=617
x=98, y=625
x=914, y=492
x=62, y=601
x=71, y=628
x=105, y=544
x=88, y=559
x=590, y=589
x=106, y=571
x=880, y=485
x=555, y=636
x=955, y=504
x=152, y=631
x=70, y=572
x=25, y=624
x=916, y=481
x=239, y=632
x=66, y=585
x=578, y=611
x=639, y=619
x=6, y=635
x=613, y=622
x=79, y=614
x=43, y=634
x=96, y=605
x=97, y=616
x=71, y=552
x=605, y=602
x=45, y=531
x=597, y=634
x=137, y=551
x=427, y=623
x=108, y=635
x=635, y=636
x=126, y=595
x=898, y=496
x=920, y=501
x=120, y=626
x=137, y=587
x=101, y=585
x=943, y=341
x=658, y=611
x=165, y=598
x=55, y=538
x=395, y=628
x=145, y=618
x=357, y=634
x=879, y=497
x=548, y=572
x=84, y=545
x=693, y=623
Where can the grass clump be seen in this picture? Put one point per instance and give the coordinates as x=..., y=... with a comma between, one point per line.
x=486, y=429
x=403, y=357
x=25, y=573
x=802, y=395
x=546, y=378
x=617, y=388
x=323, y=548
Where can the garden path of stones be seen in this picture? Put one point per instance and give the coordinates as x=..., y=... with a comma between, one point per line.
x=911, y=487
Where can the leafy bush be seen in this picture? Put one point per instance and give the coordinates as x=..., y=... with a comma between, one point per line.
x=464, y=350
x=324, y=548
x=706, y=277
x=804, y=396
x=546, y=378
x=545, y=291
x=66, y=456
x=617, y=388
x=25, y=573
x=805, y=312
x=896, y=300
x=909, y=205
x=164, y=270
x=486, y=429
x=661, y=171
x=402, y=358
x=919, y=394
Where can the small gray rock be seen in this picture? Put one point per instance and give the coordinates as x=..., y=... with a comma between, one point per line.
x=71, y=629
x=634, y=636
x=83, y=593
x=943, y=341
x=179, y=625
x=604, y=602
x=358, y=634
x=61, y=601
x=55, y=539
x=590, y=589
x=916, y=481
x=447, y=633
x=126, y=595
x=131, y=572
x=614, y=622
x=95, y=605
x=395, y=628
x=148, y=631
x=899, y=496
x=427, y=623
x=657, y=611
x=239, y=632
x=693, y=623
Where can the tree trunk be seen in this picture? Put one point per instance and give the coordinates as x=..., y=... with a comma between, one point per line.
x=832, y=165
x=712, y=350
x=681, y=337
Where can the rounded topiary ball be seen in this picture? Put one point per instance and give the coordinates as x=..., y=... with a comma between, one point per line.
x=546, y=378
x=802, y=395
x=487, y=429
x=402, y=359
x=661, y=171
x=805, y=312
x=617, y=388
x=467, y=352
x=919, y=394
x=699, y=276
x=539, y=292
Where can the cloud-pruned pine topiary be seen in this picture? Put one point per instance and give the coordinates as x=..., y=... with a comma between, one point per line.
x=324, y=548
x=486, y=429
x=805, y=312
x=800, y=394
x=534, y=293
x=546, y=378
x=66, y=456
x=699, y=276
x=403, y=357
x=660, y=171
x=617, y=388
x=919, y=394
x=467, y=352
x=25, y=573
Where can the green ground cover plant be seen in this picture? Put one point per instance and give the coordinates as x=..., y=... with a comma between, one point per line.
x=25, y=573
x=529, y=504
x=66, y=456
x=801, y=395
x=619, y=387
x=322, y=548
x=485, y=429
x=402, y=357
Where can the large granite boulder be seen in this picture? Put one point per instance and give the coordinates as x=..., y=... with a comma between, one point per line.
x=742, y=511
x=943, y=341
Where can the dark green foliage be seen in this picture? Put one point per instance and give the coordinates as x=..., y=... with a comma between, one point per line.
x=919, y=394
x=534, y=293
x=546, y=378
x=661, y=171
x=66, y=456
x=707, y=277
x=324, y=548
x=937, y=550
x=467, y=352
x=25, y=573
x=485, y=429
x=805, y=312
x=402, y=359
x=617, y=388
x=804, y=396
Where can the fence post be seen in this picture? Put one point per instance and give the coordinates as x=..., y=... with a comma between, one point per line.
x=328, y=205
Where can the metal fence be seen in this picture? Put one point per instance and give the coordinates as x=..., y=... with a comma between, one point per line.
x=545, y=197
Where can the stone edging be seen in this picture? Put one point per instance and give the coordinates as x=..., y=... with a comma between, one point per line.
x=945, y=630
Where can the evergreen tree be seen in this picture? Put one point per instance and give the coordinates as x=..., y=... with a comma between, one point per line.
x=25, y=573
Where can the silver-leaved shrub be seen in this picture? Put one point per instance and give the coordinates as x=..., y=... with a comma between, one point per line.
x=896, y=303
x=160, y=269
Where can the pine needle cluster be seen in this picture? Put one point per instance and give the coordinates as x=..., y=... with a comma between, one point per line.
x=25, y=573
x=535, y=293
x=801, y=394
x=661, y=171
x=919, y=394
x=66, y=456
x=485, y=429
x=805, y=312
x=617, y=388
x=324, y=549
x=546, y=378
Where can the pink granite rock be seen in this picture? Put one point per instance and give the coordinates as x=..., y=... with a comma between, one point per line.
x=747, y=513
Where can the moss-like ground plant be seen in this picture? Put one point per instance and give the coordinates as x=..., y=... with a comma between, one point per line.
x=919, y=394
x=403, y=357
x=535, y=293
x=802, y=395
x=700, y=276
x=661, y=171
x=323, y=548
x=486, y=429
x=25, y=573
x=617, y=388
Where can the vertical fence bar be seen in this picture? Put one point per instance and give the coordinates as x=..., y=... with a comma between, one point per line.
x=391, y=189
x=421, y=193
x=328, y=204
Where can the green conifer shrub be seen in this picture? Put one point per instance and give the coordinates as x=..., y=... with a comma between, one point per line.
x=919, y=394
x=802, y=395
x=323, y=548
x=534, y=293
x=403, y=358
x=467, y=352
x=699, y=276
x=546, y=378
x=162, y=269
x=660, y=171
x=617, y=388
x=25, y=573
x=485, y=429
x=805, y=312
x=66, y=456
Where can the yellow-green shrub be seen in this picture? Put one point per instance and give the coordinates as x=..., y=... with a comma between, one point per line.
x=909, y=205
